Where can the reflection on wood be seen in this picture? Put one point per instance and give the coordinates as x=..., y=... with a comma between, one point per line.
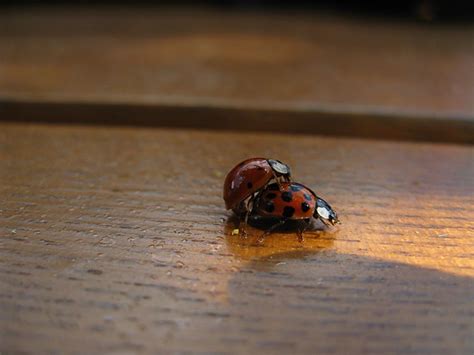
x=120, y=236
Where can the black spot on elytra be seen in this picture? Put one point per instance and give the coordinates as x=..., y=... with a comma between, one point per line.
x=305, y=207
x=269, y=206
x=287, y=196
x=288, y=211
x=270, y=196
x=273, y=187
x=249, y=185
x=260, y=168
x=295, y=188
x=307, y=197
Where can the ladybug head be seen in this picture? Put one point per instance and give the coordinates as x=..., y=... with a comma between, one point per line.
x=325, y=212
x=279, y=168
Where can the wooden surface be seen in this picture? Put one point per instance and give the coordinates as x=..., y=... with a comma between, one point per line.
x=301, y=72
x=115, y=240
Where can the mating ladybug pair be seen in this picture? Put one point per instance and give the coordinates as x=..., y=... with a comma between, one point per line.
x=263, y=188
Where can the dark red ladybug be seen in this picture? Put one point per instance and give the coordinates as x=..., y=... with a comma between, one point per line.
x=292, y=201
x=248, y=177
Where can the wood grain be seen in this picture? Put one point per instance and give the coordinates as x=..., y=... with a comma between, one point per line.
x=115, y=240
x=312, y=72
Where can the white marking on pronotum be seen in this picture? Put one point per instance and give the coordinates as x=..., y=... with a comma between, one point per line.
x=323, y=212
x=278, y=166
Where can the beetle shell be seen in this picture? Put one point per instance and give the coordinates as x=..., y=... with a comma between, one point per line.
x=245, y=179
x=290, y=201
x=248, y=177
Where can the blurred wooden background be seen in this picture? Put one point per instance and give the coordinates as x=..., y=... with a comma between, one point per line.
x=114, y=237
x=285, y=71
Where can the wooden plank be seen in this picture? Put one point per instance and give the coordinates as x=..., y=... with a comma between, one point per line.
x=116, y=240
x=375, y=76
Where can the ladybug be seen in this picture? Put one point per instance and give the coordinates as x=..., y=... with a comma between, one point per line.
x=249, y=177
x=292, y=201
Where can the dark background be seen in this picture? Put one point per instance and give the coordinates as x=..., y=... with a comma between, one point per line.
x=422, y=10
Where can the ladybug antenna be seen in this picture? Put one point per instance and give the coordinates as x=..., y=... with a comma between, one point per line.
x=325, y=212
x=279, y=168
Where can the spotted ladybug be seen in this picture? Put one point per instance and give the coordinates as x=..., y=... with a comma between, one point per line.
x=249, y=177
x=292, y=201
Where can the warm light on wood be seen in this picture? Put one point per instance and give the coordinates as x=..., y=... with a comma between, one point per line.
x=118, y=239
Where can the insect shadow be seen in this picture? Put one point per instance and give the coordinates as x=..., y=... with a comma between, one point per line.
x=282, y=240
x=273, y=225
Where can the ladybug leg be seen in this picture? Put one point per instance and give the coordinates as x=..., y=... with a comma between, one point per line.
x=300, y=231
x=242, y=230
x=261, y=239
x=242, y=226
x=300, y=236
x=277, y=179
x=249, y=208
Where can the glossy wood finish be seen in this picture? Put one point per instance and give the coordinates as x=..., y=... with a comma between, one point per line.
x=117, y=240
x=290, y=72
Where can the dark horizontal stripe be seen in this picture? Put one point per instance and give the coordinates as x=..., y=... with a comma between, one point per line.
x=337, y=121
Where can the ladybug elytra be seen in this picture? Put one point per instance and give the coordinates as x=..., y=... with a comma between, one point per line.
x=250, y=176
x=292, y=200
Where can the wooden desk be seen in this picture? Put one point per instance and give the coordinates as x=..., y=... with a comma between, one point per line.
x=116, y=240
